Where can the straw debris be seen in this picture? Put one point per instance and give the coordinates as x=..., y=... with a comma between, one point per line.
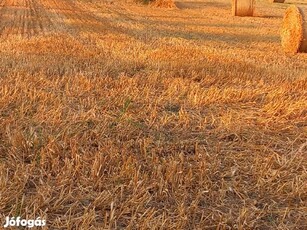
x=277, y=1
x=163, y=3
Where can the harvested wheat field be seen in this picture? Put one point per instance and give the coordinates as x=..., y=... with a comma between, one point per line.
x=120, y=115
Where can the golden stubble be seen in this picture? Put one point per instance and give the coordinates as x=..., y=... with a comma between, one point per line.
x=126, y=116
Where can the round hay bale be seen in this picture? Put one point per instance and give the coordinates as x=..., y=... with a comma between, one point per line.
x=278, y=1
x=294, y=30
x=243, y=7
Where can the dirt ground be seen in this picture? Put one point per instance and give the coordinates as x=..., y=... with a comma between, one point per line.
x=116, y=115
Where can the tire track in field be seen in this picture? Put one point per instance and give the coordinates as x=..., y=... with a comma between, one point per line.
x=15, y=18
x=27, y=18
x=73, y=18
x=53, y=11
x=79, y=17
x=12, y=18
x=24, y=18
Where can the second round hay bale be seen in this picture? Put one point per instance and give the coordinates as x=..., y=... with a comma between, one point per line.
x=294, y=30
x=243, y=7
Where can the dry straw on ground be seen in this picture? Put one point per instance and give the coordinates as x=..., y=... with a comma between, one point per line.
x=242, y=7
x=294, y=30
x=163, y=3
